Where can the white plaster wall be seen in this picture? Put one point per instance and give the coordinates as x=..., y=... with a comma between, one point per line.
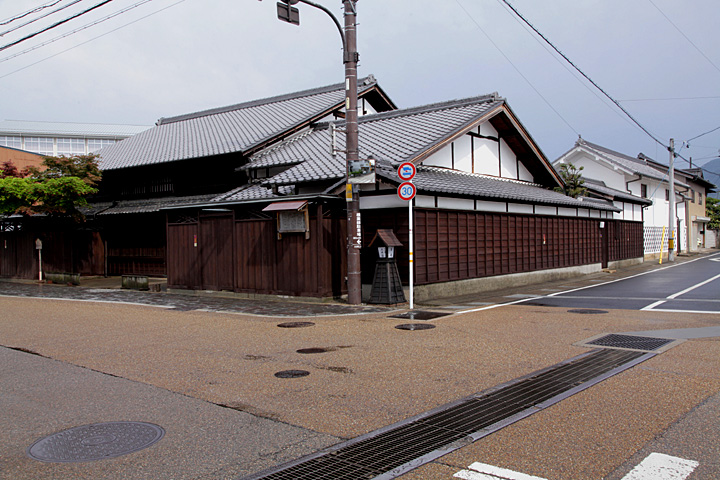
x=456, y=203
x=525, y=174
x=545, y=210
x=441, y=158
x=484, y=206
x=595, y=169
x=519, y=208
x=509, y=161
x=463, y=154
x=381, y=201
x=486, y=160
x=567, y=212
x=424, y=201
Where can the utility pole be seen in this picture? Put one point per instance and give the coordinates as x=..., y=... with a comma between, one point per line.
x=288, y=13
x=671, y=216
x=352, y=155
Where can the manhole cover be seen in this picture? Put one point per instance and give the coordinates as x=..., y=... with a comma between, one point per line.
x=314, y=350
x=96, y=442
x=415, y=326
x=295, y=324
x=420, y=315
x=292, y=374
x=631, y=342
x=588, y=311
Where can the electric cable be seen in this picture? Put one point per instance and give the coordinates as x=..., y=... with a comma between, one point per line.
x=39, y=18
x=506, y=2
x=67, y=34
x=29, y=12
x=516, y=68
x=61, y=22
x=683, y=34
x=92, y=39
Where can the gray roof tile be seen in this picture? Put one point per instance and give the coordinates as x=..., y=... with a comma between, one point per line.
x=237, y=128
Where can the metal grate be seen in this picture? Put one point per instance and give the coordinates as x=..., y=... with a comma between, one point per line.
x=632, y=342
x=410, y=444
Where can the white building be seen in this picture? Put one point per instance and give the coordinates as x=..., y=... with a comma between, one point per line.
x=637, y=177
x=59, y=138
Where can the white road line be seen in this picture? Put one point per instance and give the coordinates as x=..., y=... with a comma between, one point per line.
x=658, y=466
x=653, y=305
x=483, y=471
x=671, y=297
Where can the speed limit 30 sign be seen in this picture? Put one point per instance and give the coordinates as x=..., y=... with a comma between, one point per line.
x=406, y=191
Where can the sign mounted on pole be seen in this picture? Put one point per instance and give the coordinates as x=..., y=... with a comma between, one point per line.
x=406, y=171
x=407, y=191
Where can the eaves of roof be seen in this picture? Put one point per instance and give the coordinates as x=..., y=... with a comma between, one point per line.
x=436, y=180
x=599, y=187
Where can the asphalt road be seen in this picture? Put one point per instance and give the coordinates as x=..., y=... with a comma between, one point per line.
x=691, y=286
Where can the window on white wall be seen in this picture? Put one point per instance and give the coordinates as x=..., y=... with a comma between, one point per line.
x=41, y=145
x=70, y=146
x=10, y=141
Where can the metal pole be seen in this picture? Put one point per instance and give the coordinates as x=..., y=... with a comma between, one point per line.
x=354, y=229
x=410, y=259
x=671, y=207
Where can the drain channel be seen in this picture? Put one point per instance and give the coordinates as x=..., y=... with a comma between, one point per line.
x=392, y=451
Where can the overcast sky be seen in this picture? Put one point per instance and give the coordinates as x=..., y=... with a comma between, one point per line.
x=660, y=58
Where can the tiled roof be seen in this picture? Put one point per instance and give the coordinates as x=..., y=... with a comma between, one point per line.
x=600, y=187
x=232, y=129
x=251, y=192
x=634, y=165
x=65, y=129
x=396, y=136
x=457, y=183
x=143, y=205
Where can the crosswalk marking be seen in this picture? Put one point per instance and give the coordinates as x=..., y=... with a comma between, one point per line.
x=658, y=466
x=483, y=471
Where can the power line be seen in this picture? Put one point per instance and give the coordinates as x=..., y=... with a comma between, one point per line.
x=664, y=99
x=516, y=68
x=67, y=34
x=506, y=2
x=29, y=12
x=61, y=22
x=703, y=134
x=683, y=34
x=92, y=39
x=39, y=18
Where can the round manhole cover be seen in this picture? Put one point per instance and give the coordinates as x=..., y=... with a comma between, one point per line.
x=313, y=350
x=415, y=326
x=292, y=374
x=295, y=324
x=96, y=442
x=588, y=311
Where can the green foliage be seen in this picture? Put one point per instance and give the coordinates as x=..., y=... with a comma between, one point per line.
x=57, y=188
x=713, y=211
x=574, y=182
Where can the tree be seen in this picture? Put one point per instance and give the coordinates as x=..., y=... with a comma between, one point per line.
x=713, y=211
x=57, y=188
x=574, y=182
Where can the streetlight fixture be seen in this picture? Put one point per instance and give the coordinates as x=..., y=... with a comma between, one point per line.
x=290, y=14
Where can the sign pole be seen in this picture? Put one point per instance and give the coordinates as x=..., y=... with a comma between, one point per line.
x=410, y=261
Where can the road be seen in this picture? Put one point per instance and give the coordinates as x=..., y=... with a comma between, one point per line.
x=205, y=373
x=692, y=286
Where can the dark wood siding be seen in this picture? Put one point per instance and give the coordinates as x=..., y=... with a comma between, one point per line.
x=451, y=245
x=246, y=255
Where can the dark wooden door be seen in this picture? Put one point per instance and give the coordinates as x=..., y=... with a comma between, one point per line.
x=216, y=252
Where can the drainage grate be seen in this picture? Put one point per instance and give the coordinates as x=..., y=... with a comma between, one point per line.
x=420, y=315
x=632, y=342
x=394, y=450
x=588, y=311
x=95, y=442
x=309, y=351
x=415, y=326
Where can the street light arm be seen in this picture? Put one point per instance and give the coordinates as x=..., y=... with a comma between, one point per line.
x=337, y=22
